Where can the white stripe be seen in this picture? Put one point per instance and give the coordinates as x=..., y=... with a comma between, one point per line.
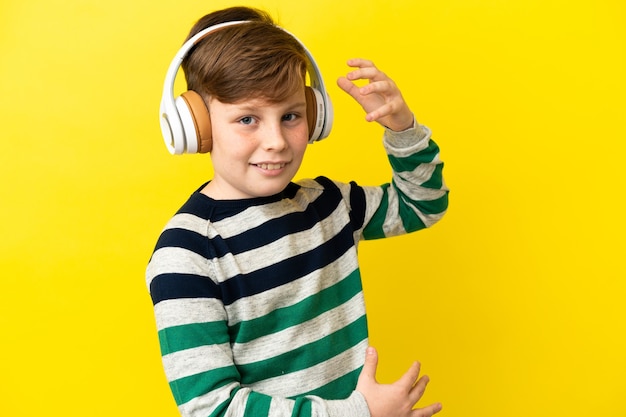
x=183, y=311
x=189, y=222
x=406, y=183
x=421, y=194
x=291, y=245
x=248, y=219
x=259, y=305
x=392, y=224
x=196, y=360
x=420, y=141
x=172, y=260
x=206, y=404
x=300, y=382
x=294, y=337
x=281, y=407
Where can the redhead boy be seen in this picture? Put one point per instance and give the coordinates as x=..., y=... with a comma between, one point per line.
x=255, y=280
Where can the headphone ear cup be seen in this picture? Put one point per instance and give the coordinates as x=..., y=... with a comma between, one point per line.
x=311, y=109
x=315, y=113
x=201, y=121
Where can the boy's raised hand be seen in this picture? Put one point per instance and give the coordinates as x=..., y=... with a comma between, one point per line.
x=397, y=399
x=380, y=98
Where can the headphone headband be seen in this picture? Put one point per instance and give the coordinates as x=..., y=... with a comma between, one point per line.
x=174, y=123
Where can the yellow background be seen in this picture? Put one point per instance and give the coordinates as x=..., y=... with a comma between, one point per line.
x=514, y=302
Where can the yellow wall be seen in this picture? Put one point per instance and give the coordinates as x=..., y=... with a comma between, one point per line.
x=514, y=302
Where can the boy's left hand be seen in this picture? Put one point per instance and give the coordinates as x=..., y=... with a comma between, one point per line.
x=380, y=98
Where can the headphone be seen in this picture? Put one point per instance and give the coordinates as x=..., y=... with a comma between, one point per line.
x=185, y=120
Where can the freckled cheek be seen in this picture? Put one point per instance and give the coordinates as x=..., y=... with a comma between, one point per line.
x=230, y=160
x=299, y=146
x=301, y=139
x=299, y=154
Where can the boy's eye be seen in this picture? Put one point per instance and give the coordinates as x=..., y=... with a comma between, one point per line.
x=246, y=120
x=290, y=117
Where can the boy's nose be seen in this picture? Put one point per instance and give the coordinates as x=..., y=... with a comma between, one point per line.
x=274, y=138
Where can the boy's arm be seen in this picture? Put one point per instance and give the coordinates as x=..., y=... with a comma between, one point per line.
x=417, y=197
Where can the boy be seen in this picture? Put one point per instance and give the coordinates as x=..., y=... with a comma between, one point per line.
x=255, y=280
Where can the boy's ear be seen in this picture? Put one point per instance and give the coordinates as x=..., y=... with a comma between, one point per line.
x=199, y=117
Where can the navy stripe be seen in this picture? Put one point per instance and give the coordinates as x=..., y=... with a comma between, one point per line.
x=357, y=200
x=253, y=238
x=258, y=281
x=172, y=286
x=215, y=210
x=182, y=238
x=357, y=206
x=277, y=228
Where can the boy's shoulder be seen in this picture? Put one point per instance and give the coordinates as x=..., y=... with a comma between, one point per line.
x=201, y=208
x=312, y=183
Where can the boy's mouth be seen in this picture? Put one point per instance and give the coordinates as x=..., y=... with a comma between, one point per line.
x=271, y=167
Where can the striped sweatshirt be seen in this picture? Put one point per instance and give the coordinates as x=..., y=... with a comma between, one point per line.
x=258, y=302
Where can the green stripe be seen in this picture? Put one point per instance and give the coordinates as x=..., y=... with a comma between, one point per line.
x=338, y=389
x=301, y=408
x=436, y=179
x=258, y=405
x=187, y=388
x=409, y=163
x=374, y=229
x=306, y=309
x=187, y=336
x=436, y=206
x=410, y=221
x=308, y=355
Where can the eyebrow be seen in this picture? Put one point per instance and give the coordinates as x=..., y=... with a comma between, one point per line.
x=293, y=105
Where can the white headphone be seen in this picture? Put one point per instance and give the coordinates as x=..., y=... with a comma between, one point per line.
x=185, y=121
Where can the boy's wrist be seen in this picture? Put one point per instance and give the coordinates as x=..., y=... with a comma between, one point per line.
x=403, y=127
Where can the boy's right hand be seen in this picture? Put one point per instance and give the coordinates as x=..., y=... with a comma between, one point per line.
x=397, y=399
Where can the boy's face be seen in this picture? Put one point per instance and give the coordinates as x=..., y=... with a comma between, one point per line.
x=257, y=146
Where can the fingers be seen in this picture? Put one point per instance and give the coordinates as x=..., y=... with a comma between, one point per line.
x=365, y=70
x=415, y=389
x=381, y=87
x=349, y=87
x=416, y=393
x=369, y=73
x=360, y=63
x=371, y=363
x=380, y=112
x=410, y=376
x=427, y=411
x=396, y=399
x=380, y=97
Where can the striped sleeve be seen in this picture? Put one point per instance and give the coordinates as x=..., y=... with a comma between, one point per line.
x=417, y=196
